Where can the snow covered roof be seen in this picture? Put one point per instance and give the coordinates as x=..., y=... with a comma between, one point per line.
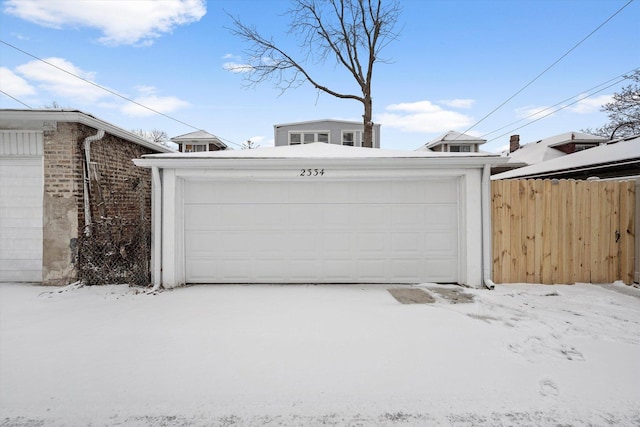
x=604, y=155
x=320, y=150
x=544, y=149
x=14, y=119
x=453, y=137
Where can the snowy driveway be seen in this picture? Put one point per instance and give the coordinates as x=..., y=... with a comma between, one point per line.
x=310, y=355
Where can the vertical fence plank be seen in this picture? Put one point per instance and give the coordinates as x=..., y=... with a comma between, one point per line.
x=546, y=234
x=555, y=232
x=497, y=227
x=505, y=254
x=539, y=224
x=596, y=225
x=530, y=220
x=627, y=231
x=515, y=221
x=613, y=236
x=570, y=210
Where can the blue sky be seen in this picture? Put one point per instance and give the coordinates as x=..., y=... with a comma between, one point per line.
x=453, y=63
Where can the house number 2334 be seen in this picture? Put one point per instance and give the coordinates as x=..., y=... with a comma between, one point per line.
x=311, y=172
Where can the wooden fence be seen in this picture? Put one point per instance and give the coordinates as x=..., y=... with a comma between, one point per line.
x=563, y=231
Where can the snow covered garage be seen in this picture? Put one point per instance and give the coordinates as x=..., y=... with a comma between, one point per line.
x=319, y=213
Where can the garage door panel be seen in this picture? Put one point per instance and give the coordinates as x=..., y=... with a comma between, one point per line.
x=441, y=191
x=337, y=192
x=440, y=269
x=372, y=269
x=408, y=217
x=373, y=192
x=442, y=215
x=407, y=269
x=372, y=242
x=407, y=243
x=302, y=244
x=369, y=216
x=340, y=232
x=337, y=243
x=270, y=268
x=338, y=270
x=439, y=242
x=21, y=218
x=303, y=269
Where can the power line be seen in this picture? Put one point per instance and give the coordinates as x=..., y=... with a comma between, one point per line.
x=15, y=99
x=554, y=111
x=618, y=79
x=106, y=90
x=548, y=68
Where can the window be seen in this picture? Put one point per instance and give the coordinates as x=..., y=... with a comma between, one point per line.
x=194, y=148
x=460, y=148
x=348, y=138
x=296, y=138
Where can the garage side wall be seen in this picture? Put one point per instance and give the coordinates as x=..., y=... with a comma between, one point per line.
x=62, y=191
x=121, y=190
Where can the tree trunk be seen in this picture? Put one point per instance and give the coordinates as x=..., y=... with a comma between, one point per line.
x=367, y=138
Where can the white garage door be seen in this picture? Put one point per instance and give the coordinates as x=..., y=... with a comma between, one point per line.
x=21, y=192
x=403, y=231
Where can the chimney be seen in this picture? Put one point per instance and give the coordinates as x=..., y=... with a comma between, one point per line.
x=514, y=143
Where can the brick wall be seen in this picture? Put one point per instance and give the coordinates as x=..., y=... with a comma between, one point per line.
x=121, y=191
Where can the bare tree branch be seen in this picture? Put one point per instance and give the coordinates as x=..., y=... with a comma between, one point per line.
x=353, y=32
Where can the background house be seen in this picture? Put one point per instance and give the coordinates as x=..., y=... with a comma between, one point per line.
x=61, y=173
x=546, y=149
x=198, y=141
x=454, y=142
x=338, y=132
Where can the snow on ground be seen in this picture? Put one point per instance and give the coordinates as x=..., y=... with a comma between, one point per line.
x=319, y=355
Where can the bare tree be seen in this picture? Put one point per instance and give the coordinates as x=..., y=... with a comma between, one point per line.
x=155, y=135
x=353, y=32
x=623, y=111
x=250, y=145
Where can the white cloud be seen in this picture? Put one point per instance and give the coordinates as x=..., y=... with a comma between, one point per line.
x=121, y=22
x=148, y=98
x=237, y=68
x=60, y=83
x=590, y=105
x=14, y=85
x=422, y=116
x=458, y=103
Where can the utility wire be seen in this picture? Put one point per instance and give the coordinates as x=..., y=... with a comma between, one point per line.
x=618, y=79
x=548, y=68
x=554, y=111
x=106, y=90
x=15, y=99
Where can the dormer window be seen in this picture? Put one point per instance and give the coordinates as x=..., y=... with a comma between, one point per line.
x=460, y=148
x=195, y=148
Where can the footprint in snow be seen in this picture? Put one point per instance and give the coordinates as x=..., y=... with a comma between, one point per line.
x=548, y=387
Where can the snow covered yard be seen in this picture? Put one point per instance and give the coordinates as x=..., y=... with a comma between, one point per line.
x=319, y=355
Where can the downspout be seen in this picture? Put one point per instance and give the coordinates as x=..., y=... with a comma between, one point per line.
x=156, y=236
x=87, y=180
x=486, y=228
